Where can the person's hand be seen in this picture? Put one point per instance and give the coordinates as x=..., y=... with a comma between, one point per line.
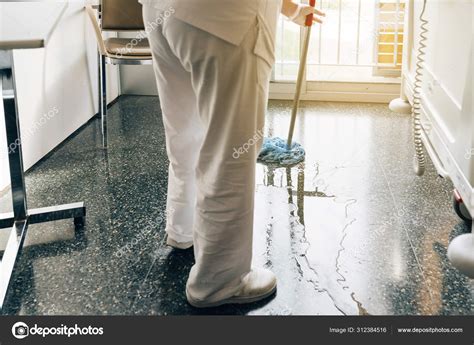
x=297, y=13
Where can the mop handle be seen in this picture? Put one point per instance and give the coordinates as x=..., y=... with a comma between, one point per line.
x=299, y=81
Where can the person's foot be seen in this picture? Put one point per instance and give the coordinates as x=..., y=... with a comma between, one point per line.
x=178, y=245
x=258, y=284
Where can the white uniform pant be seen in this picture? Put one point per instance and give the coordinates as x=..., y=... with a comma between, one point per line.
x=213, y=97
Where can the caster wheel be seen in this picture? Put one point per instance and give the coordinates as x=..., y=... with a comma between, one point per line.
x=460, y=208
x=79, y=222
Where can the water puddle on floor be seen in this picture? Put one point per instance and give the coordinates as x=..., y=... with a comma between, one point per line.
x=306, y=227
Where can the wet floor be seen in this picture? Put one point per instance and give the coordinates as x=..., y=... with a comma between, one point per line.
x=350, y=231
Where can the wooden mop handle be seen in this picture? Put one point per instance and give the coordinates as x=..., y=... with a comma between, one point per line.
x=309, y=18
x=299, y=80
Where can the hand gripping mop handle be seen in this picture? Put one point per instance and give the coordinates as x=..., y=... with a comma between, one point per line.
x=299, y=81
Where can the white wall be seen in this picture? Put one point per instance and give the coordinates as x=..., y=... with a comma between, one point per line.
x=137, y=80
x=61, y=78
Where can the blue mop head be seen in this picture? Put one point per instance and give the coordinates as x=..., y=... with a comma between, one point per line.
x=275, y=151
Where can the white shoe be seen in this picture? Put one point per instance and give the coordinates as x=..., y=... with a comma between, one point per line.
x=258, y=284
x=178, y=245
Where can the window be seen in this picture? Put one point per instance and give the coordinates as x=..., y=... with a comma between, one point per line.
x=361, y=41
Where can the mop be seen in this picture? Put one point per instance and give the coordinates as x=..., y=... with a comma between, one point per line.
x=277, y=151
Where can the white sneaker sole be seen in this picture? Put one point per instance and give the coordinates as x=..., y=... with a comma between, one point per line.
x=232, y=300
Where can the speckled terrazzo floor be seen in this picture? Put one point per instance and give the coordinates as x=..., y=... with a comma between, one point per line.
x=350, y=231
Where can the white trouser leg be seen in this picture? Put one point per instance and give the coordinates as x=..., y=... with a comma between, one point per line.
x=231, y=86
x=184, y=134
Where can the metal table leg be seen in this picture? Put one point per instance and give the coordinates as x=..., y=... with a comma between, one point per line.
x=21, y=217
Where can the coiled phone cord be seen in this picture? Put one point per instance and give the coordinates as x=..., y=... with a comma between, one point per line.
x=419, y=159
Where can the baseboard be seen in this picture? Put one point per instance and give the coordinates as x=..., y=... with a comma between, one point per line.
x=360, y=92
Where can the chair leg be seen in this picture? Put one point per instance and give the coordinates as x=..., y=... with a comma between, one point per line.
x=103, y=99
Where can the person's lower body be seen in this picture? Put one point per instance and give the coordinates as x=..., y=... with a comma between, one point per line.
x=213, y=97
